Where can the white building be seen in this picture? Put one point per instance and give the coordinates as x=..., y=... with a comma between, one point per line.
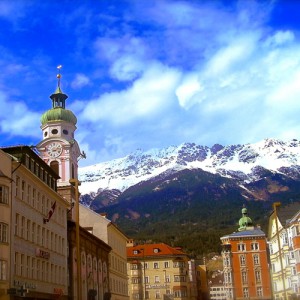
x=284, y=247
x=36, y=229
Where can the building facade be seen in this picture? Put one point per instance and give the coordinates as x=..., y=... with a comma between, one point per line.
x=104, y=229
x=284, y=247
x=36, y=228
x=158, y=271
x=245, y=262
x=94, y=266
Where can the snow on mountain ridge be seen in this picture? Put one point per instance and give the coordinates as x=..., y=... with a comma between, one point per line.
x=138, y=166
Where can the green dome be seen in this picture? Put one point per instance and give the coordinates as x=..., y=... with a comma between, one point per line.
x=58, y=114
x=244, y=221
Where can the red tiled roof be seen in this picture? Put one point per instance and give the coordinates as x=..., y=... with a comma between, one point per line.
x=149, y=250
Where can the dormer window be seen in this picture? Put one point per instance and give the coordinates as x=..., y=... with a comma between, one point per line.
x=155, y=250
x=135, y=252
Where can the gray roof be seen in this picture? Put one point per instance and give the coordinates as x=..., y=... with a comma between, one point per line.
x=246, y=233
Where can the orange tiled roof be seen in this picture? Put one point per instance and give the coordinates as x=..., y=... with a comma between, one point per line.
x=141, y=251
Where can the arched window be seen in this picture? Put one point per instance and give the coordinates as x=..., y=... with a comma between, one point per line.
x=73, y=171
x=55, y=166
x=242, y=260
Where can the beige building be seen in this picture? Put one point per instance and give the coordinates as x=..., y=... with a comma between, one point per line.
x=284, y=247
x=5, y=222
x=158, y=271
x=105, y=230
x=34, y=230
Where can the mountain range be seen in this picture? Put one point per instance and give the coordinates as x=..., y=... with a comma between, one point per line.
x=193, y=190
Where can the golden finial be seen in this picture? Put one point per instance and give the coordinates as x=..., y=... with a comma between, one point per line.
x=58, y=76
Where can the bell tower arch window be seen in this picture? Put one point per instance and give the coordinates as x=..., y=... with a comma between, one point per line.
x=55, y=166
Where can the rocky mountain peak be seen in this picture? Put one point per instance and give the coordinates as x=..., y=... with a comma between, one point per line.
x=242, y=162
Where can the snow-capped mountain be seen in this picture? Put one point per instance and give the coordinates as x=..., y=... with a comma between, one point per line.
x=242, y=162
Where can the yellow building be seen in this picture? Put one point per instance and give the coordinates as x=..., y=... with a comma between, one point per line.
x=105, y=230
x=35, y=230
x=158, y=271
x=202, y=287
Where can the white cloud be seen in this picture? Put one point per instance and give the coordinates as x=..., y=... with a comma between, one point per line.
x=280, y=38
x=17, y=119
x=149, y=95
x=80, y=81
x=189, y=87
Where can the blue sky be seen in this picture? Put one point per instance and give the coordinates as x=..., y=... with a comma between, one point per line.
x=144, y=74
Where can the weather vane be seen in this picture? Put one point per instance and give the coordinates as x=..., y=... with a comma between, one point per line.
x=58, y=76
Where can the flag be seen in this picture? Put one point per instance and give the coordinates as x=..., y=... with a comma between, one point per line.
x=50, y=213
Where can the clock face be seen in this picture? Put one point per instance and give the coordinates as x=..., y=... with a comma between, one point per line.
x=54, y=149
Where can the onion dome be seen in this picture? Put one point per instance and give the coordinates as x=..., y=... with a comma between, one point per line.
x=58, y=114
x=58, y=111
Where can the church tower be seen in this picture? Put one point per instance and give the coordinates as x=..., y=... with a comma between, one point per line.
x=59, y=148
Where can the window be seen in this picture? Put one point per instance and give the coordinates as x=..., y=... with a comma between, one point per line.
x=242, y=260
x=3, y=194
x=284, y=239
x=17, y=186
x=241, y=247
x=254, y=246
x=245, y=292
x=147, y=279
x=146, y=265
x=180, y=293
x=292, y=254
x=135, y=280
x=258, y=276
x=155, y=265
x=256, y=259
x=147, y=296
x=259, y=291
x=17, y=224
x=157, y=294
x=244, y=277
x=156, y=279
x=166, y=264
x=3, y=233
x=134, y=266
x=271, y=248
x=226, y=261
x=179, y=278
x=178, y=264
x=28, y=230
x=3, y=270
x=23, y=189
x=273, y=268
x=167, y=278
x=227, y=277
x=294, y=272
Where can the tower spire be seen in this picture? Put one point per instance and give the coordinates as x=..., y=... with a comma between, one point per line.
x=58, y=98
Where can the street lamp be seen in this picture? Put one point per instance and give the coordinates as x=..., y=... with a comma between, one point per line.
x=76, y=183
x=275, y=205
